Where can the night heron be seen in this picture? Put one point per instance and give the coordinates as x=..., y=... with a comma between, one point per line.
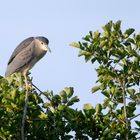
x=26, y=55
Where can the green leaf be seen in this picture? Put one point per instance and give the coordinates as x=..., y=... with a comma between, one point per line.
x=63, y=95
x=118, y=25
x=138, y=123
x=131, y=91
x=56, y=99
x=88, y=110
x=70, y=103
x=61, y=107
x=108, y=26
x=88, y=106
x=95, y=88
x=75, y=44
x=52, y=109
x=128, y=32
x=1, y=77
x=13, y=93
x=42, y=115
x=73, y=100
x=93, y=60
x=97, y=34
x=106, y=93
x=2, y=136
x=46, y=105
x=85, y=53
x=69, y=91
x=103, y=43
x=130, y=40
x=137, y=37
x=87, y=38
x=98, y=108
x=138, y=94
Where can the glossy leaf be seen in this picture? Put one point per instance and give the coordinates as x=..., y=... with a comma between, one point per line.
x=74, y=44
x=95, y=88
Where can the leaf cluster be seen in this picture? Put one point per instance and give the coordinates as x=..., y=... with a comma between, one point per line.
x=49, y=115
x=118, y=56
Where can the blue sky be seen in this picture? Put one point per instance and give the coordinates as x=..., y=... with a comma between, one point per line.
x=62, y=22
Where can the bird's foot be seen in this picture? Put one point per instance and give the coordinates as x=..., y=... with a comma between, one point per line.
x=29, y=87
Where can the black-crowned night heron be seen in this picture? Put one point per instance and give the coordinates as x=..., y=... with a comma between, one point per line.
x=26, y=55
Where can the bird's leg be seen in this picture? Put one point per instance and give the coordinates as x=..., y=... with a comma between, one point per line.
x=26, y=82
x=28, y=87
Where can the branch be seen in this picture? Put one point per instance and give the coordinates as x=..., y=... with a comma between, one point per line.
x=24, y=116
x=41, y=92
x=124, y=102
x=134, y=117
x=129, y=98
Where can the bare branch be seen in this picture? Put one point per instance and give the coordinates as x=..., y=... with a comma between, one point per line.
x=41, y=92
x=134, y=117
x=129, y=98
x=24, y=116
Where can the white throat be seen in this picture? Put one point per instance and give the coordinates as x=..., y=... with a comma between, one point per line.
x=44, y=47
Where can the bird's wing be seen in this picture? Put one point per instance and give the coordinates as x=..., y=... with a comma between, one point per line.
x=21, y=59
x=25, y=43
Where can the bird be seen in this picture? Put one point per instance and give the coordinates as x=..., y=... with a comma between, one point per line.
x=26, y=55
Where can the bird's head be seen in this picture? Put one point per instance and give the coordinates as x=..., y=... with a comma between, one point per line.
x=44, y=43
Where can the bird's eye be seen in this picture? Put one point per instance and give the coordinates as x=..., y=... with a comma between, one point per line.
x=42, y=43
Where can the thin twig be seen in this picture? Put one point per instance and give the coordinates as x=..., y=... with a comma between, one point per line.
x=134, y=117
x=129, y=98
x=41, y=92
x=24, y=116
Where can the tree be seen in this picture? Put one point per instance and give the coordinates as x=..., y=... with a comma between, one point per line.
x=117, y=55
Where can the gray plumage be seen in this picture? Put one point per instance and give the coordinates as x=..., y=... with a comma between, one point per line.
x=27, y=53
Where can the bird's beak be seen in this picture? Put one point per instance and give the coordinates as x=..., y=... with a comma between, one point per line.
x=48, y=48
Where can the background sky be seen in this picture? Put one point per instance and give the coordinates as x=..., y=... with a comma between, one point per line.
x=62, y=22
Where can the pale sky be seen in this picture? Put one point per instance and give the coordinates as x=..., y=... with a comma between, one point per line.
x=62, y=22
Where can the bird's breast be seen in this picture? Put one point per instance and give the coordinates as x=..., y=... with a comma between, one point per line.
x=37, y=55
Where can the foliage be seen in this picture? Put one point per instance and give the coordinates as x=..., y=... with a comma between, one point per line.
x=51, y=116
x=118, y=56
